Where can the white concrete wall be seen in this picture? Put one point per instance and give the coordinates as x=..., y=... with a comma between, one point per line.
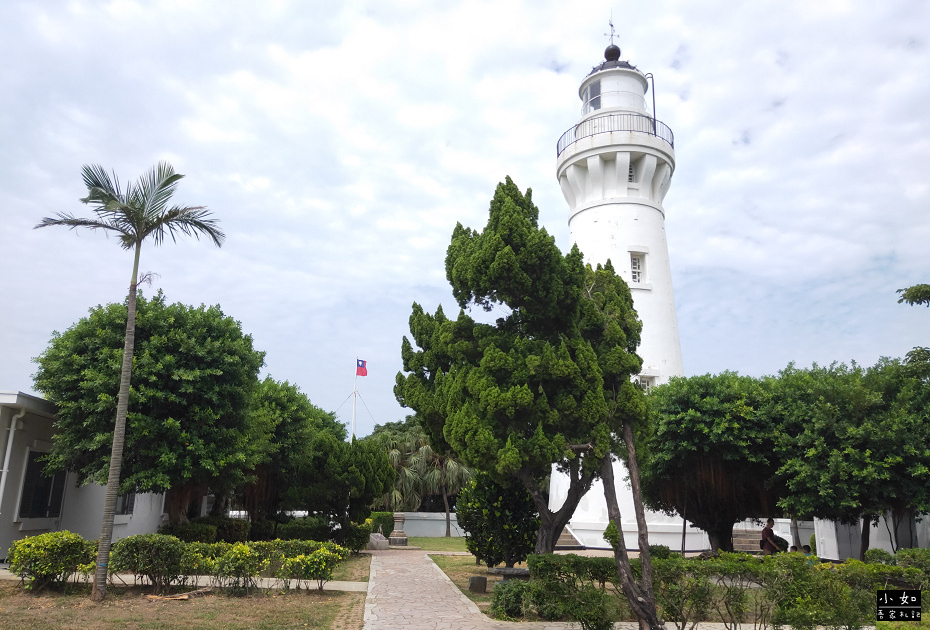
x=83, y=512
x=33, y=433
x=82, y=507
x=590, y=518
x=430, y=524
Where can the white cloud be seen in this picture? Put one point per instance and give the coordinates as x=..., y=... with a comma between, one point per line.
x=339, y=144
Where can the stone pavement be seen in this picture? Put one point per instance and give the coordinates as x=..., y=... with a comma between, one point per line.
x=407, y=591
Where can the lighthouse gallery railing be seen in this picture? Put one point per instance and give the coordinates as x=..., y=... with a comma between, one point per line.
x=615, y=122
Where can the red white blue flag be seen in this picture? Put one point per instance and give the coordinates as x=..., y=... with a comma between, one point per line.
x=361, y=368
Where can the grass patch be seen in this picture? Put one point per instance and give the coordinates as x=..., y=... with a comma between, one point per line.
x=438, y=544
x=127, y=608
x=355, y=569
x=459, y=569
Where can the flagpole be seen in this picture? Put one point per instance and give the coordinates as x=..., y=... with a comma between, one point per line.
x=354, y=396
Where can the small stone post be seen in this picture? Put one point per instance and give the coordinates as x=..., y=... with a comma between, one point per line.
x=398, y=537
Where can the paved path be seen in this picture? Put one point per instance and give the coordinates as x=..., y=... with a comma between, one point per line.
x=407, y=591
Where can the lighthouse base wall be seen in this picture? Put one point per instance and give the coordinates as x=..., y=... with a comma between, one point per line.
x=590, y=518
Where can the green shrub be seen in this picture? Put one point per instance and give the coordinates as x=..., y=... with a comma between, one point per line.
x=813, y=544
x=500, y=522
x=317, y=566
x=683, y=590
x=384, y=520
x=573, y=586
x=263, y=529
x=157, y=557
x=50, y=558
x=731, y=576
x=190, y=532
x=357, y=537
x=231, y=530
x=878, y=556
x=306, y=528
x=918, y=559
x=659, y=552
x=239, y=567
x=511, y=600
x=591, y=607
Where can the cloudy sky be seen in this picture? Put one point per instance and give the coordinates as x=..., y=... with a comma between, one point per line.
x=339, y=142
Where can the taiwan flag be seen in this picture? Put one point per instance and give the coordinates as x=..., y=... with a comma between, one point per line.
x=360, y=368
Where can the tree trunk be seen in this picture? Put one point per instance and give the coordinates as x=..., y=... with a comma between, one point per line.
x=795, y=534
x=864, y=536
x=721, y=537
x=641, y=603
x=552, y=523
x=445, y=501
x=119, y=439
x=641, y=526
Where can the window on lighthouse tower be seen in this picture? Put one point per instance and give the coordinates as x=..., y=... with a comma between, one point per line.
x=637, y=267
x=592, y=97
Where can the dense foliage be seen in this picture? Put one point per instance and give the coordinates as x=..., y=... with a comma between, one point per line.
x=738, y=589
x=338, y=481
x=500, y=521
x=285, y=426
x=711, y=453
x=421, y=472
x=194, y=372
x=50, y=559
x=548, y=382
x=164, y=561
x=839, y=442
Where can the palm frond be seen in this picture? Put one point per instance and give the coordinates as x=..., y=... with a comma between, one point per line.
x=192, y=221
x=76, y=222
x=140, y=211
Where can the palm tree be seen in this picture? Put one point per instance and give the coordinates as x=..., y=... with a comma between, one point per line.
x=137, y=213
x=440, y=474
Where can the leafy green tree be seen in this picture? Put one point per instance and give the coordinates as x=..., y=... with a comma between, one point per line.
x=339, y=480
x=852, y=443
x=140, y=211
x=510, y=398
x=711, y=453
x=915, y=295
x=547, y=384
x=189, y=425
x=500, y=520
x=286, y=423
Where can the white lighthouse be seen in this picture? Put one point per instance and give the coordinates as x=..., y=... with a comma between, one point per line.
x=615, y=166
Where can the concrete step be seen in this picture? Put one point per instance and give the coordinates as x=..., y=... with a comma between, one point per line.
x=567, y=542
x=746, y=540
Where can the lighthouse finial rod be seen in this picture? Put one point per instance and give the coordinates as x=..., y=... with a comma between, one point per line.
x=611, y=34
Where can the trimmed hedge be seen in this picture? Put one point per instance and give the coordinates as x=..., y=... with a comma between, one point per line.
x=157, y=557
x=51, y=558
x=231, y=530
x=166, y=561
x=190, y=532
x=792, y=589
x=306, y=528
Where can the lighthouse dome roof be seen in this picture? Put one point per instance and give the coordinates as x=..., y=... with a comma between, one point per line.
x=612, y=60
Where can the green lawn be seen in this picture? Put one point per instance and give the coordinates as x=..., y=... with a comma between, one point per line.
x=437, y=544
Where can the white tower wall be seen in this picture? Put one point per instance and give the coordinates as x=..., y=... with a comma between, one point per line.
x=615, y=167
